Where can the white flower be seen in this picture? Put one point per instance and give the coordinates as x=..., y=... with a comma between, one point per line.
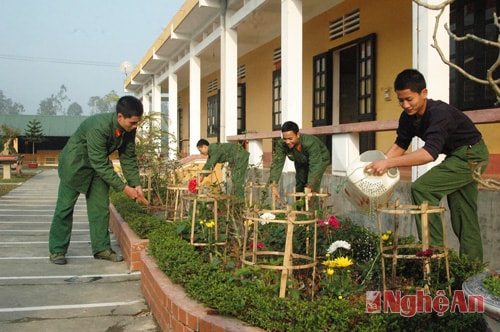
x=338, y=244
x=266, y=216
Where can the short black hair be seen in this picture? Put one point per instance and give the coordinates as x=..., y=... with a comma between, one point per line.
x=202, y=142
x=410, y=79
x=290, y=126
x=129, y=106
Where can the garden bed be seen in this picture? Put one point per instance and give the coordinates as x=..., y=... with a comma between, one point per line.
x=171, y=307
x=188, y=292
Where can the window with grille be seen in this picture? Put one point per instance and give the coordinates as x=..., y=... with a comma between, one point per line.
x=213, y=115
x=473, y=17
x=276, y=99
x=241, y=108
x=366, y=78
x=344, y=86
x=322, y=88
x=50, y=161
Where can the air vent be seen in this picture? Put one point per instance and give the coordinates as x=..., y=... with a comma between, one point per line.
x=277, y=55
x=344, y=25
x=213, y=85
x=242, y=72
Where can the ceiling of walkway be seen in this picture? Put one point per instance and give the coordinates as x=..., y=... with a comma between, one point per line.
x=255, y=28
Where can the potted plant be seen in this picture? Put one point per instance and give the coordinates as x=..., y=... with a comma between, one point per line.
x=475, y=285
x=34, y=134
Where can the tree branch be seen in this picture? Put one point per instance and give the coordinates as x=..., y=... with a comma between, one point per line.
x=489, y=79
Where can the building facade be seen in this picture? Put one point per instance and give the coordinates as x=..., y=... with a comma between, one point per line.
x=234, y=70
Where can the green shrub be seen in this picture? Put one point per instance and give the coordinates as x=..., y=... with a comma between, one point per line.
x=251, y=294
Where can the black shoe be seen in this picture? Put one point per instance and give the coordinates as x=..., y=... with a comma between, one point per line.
x=109, y=255
x=58, y=258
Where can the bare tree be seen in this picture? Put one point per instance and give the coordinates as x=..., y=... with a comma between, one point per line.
x=489, y=79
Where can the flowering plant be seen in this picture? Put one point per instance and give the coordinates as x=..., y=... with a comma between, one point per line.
x=387, y=237
x=266, y=216
x=425, y=253
x=338, y=244
x=338, y=277
x=258, y=245
x=192, y=185
x=328, y=227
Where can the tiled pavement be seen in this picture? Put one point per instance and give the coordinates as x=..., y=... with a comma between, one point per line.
x=84, y=295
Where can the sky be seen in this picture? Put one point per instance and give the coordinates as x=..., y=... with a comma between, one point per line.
x=76, y=43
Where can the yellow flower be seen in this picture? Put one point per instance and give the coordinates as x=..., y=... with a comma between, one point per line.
x=385, y=237
x=342, y=261
x=330, y=271
x=249, y=223
x=340, y=297
x=210, y=224
x=388, y=232
x=329, y=263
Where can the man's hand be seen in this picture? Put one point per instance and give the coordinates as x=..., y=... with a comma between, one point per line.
x=139, y=191
x=377, y=168
x=136, y=194
x=276, y=193
x=140, y=196
x=308, y=190
x=131, y=192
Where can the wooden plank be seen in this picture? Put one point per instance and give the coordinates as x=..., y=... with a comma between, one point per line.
x=478, y=117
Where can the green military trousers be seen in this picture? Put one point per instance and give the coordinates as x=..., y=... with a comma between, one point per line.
x=239, y=173
x=97, y=198
x=453, y=178
x=302, y=177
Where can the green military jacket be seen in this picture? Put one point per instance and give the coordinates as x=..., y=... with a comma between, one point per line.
x=221, y=153
x=308, y=151
x=86, y=154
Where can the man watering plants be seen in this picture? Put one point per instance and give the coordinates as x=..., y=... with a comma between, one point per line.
x=309, y=154
x=444, y=129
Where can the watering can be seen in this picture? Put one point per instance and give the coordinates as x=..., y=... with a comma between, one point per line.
x=366, y=191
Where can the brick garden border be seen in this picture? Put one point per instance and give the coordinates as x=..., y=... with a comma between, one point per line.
x=131, y=245
x=173, y=310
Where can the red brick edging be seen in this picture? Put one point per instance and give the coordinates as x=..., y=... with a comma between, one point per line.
x=131, y=245
x=173, y=310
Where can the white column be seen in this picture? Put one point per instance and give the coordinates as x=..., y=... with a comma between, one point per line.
x=256, y=150
x=229, y=82
x=291, y=65
x=291, y=60
x=146, y=102
x=156, y=97
x=427, y=61
x=156, y=123
x=194, y=102
x=173, y=121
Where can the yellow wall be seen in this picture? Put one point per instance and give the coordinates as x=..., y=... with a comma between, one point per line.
x=491, y=135
x=393, y=54
x=393, y=45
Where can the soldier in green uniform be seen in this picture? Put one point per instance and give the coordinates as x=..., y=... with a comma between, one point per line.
x=309, y=154
x=234, y=154
x=85, y=167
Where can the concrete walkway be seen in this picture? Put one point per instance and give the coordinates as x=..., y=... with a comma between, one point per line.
x=84, y=295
